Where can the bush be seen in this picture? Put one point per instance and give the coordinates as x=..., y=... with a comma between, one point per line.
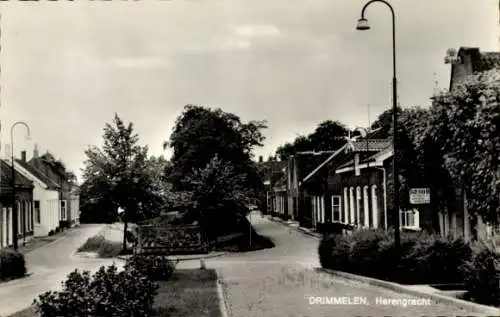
x=106, y=293
x=334, y=252
x=157, y=268
x=130, y=237
x=437, y=260
x=104, y=248
x=422, y=259
x=482, y=276
x=51, y=233
x=12, y=264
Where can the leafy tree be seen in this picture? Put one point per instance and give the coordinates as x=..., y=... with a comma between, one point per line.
x=200, y=133
x=219, y=197
x=465, y=124
x=328, y=136
x=122, y=169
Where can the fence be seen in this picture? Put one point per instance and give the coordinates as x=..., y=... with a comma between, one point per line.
x=168, y=239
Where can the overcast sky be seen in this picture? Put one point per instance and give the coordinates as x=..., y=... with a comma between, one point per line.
x=67, y=67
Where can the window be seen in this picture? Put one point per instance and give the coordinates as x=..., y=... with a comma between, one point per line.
x=345, y=217
x=359, y=206
x=19, y=214
x=336, y=208
x=409, y=219
x=63, y=210
x=366, y=207
x=375, y=215
x=36, y=204
x=352, y=206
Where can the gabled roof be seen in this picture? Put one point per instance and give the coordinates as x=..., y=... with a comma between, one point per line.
x=368, y=145
x=38, y=174
x=354, y=145
x=374, y=160
x=6, y=177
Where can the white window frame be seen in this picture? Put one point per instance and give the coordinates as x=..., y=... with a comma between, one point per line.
x=37, y=213
x=409, y=219
x=345, y=217
x=63, y=211
x=338, y=206
x=352, y=206
x=374, y=198
x=19, y=218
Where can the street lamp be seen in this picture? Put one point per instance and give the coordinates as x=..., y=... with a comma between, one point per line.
x=15, y=229
x=363, y=25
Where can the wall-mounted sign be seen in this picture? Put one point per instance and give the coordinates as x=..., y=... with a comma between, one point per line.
x=419, y=196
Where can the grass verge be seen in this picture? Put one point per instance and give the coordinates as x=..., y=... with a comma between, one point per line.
x=188, y=293
x=104, y=248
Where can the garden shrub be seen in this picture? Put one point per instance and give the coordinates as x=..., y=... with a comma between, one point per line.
x=422, y=258
x=157, y=268
x=482, y=275
x=51, y=233
x=325, y=248
x=364, y=251
x=104, y=248
x=12, y=264
x=440, y=259
x=106, y=293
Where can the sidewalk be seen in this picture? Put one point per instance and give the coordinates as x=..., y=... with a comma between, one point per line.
x=295, y=225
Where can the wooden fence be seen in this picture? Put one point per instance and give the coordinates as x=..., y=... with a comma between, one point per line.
x=168, y=239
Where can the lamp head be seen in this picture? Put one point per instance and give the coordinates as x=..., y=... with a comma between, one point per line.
x=362, y=24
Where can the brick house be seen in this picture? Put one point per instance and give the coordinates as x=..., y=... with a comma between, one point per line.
x=24, y=198
x=323, y=188
x=299, y=199
x=467, y=61
x=271, y=172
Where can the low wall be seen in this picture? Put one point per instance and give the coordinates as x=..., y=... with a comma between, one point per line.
x=170, y=240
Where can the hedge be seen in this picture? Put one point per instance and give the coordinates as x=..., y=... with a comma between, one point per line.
x=12, y=264
x=422, y=258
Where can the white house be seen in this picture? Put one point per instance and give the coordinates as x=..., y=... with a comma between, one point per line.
x=46, y=204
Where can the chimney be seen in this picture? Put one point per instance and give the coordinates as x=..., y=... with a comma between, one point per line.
x=35, y=151
x=23, y=156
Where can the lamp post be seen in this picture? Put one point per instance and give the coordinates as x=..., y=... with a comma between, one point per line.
x=363, y=25
x=15, y=229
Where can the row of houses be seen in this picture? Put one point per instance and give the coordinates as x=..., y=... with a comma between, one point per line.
x=349, y=186
x=46, y=200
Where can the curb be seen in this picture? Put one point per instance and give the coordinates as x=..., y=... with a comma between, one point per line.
x=223, y=300
x=438, y=298
x=187, y=258
x=309, y=233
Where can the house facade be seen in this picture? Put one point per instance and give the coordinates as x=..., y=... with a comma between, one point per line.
x=66, y=193
x=467, y=61
x=24, y=198
x=45, y=198
x=324, y=188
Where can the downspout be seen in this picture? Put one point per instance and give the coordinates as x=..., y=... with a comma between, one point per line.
x=384, y=185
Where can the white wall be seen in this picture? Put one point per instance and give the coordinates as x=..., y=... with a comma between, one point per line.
x=49, y=210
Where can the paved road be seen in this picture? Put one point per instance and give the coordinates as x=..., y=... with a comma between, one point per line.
x=49, y=264
x=278, y=283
